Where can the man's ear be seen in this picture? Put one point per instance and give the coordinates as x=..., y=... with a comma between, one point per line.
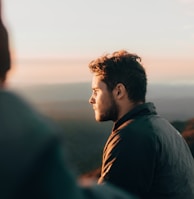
x=119, y=91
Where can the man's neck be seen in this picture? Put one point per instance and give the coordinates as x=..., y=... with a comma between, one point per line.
x=128, y=107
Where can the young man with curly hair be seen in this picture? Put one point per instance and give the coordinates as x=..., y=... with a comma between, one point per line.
x=144, y=154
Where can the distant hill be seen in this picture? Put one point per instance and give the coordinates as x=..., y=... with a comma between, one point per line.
x=54, y=92
x=174, y=102
x=82, y=90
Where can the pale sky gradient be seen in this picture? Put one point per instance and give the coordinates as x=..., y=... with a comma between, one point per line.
x=51, y=40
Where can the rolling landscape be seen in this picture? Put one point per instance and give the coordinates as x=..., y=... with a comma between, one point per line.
x=84, y=138
x=174, y=102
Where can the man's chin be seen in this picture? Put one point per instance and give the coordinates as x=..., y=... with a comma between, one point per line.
x=100, y=119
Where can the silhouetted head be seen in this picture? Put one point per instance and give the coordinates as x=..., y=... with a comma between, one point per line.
x=125, y=68
x=5, y=62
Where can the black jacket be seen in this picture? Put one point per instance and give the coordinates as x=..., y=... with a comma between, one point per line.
x=145, y=155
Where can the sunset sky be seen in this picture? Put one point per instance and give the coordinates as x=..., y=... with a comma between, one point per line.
x=52, y=41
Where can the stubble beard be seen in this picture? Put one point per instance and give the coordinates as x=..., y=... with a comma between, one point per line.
x=111, y=114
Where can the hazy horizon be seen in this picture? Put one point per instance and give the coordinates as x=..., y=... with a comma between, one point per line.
x=56, y=71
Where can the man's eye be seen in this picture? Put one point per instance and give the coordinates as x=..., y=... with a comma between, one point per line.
x=94, y=92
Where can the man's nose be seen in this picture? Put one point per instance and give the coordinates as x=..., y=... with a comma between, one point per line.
x=91, y=100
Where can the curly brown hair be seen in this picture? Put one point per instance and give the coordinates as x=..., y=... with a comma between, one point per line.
x=122, y=67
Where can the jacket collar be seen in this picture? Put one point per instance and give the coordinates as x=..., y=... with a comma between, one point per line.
x=139, y=110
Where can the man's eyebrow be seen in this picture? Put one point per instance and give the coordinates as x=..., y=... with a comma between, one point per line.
x=95, y=88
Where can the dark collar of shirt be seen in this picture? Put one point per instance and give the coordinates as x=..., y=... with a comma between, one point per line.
x=139, y=110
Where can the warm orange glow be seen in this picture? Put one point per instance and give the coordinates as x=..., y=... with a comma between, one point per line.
x=48, y=72
x=159, y=69
x=170, y=69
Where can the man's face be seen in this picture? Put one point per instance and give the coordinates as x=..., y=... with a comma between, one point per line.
x=103, y=102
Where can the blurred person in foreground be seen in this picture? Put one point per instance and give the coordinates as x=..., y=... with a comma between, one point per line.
x=144, y=154
x=31, y=157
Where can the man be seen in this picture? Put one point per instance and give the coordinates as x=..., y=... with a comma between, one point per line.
x=31, y=158
x=144, y=154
